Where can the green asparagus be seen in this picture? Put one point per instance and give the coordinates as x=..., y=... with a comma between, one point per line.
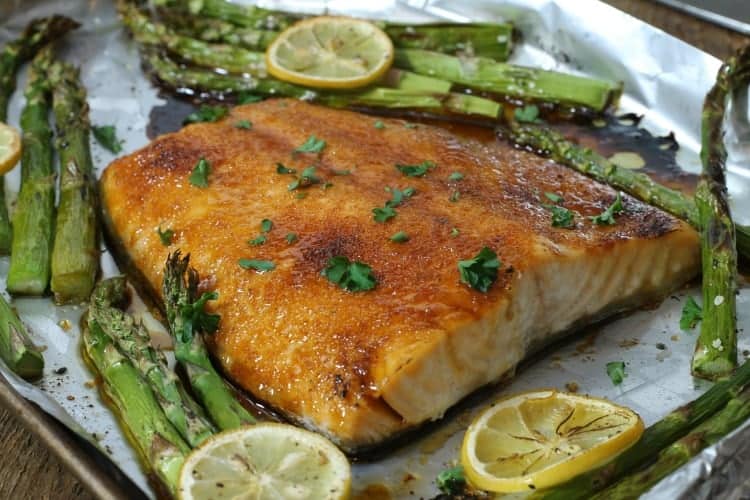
x=16, y=348
x=187, y=321
x=249, y=25
x=481, y=73
x=75, y=256
x=134, y=342
x=160, y=446
x=38, y=33
x=34, y=215
x=591, y=163
x=655, y=438
x=716, y=349
x=680, y=452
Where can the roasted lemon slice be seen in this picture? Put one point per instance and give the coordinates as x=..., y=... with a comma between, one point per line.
x=330, y=52
x=539, y=439
x=265, y=462
x=10, y=147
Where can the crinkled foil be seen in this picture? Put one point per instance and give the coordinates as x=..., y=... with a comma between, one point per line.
x=665, y=80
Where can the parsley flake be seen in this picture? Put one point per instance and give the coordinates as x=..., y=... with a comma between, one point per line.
x=247, y=98
x=400, y=237
x=283, y=170
x=259, y=265
x=307, y=178
x=691, y=314
x=244, y=124
x=456, y=176
x=416, y=170
x=607, y=218
x=554, y=198
x=616, y=372
x=383, y=214
x=266, y=225
x=199, y=175
x=379, y=125
x=455, y=195
x=398, y=196
x=351, y=276
x=106, y=135
x=455, y=232
x=311, y=145
x=528, y=114
x=341, y=172
x=291, y=238
x=481, y=271
x=258, y=240
x=561, y=216
x=165, y=236
x=206, y=113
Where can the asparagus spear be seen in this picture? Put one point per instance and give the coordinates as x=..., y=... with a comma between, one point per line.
x=202, y=80
x=33, y=219
x=716, y=349
x=248, y=16
x=186, y=319
x=680, y=452
x=591, y=163
x=488, y=40
x=160, y=446
x=75, y=257
x=37, y=33
x=656, y=437
x=488, y=75
x=134, y=342
x=16, y=348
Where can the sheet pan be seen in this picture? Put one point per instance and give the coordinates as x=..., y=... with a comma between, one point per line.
x=665, y=80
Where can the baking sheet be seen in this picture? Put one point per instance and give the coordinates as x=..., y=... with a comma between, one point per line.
x=665, y=80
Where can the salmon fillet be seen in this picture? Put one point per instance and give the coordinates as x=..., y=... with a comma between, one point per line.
x=363, y=367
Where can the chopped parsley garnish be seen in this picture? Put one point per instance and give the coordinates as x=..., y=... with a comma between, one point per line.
x=244, y=124
x=456, y=176
x=528, y=114
x=400, y=237
x=616, y=372
x=455, y=195
x=341, y=172
x=247, y=98
x=258, y=240
x=300, y=196
x=691, y=314
x=398, y=196
x=561, y=216
x=259, y=265
x=383, y=214
x=165, y=236
x=607, y=218
x=291, y=238
x=305, y=179
x=416, y=170
x=311, y=145
x=481, y=271
x=106, y=135
x=199, y=175
x=266, y=225
x=281, y=169
x=455, y=232
x=379, y=125
x=352, y=276
x=206, y=113
x=554, y=198
x=452, y=481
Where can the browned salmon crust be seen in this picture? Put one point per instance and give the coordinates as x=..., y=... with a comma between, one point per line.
x=362, y=367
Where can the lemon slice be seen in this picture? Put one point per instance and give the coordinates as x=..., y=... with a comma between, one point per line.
x=265, y=462
x=539, y=439
x=330, y=52
x=10, y=147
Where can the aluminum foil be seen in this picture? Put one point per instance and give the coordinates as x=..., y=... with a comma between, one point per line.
x=665, y=80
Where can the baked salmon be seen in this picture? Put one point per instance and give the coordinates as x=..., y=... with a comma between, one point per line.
x=362, y=367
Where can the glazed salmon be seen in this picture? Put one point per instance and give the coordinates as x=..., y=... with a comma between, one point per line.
x=362, y=367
